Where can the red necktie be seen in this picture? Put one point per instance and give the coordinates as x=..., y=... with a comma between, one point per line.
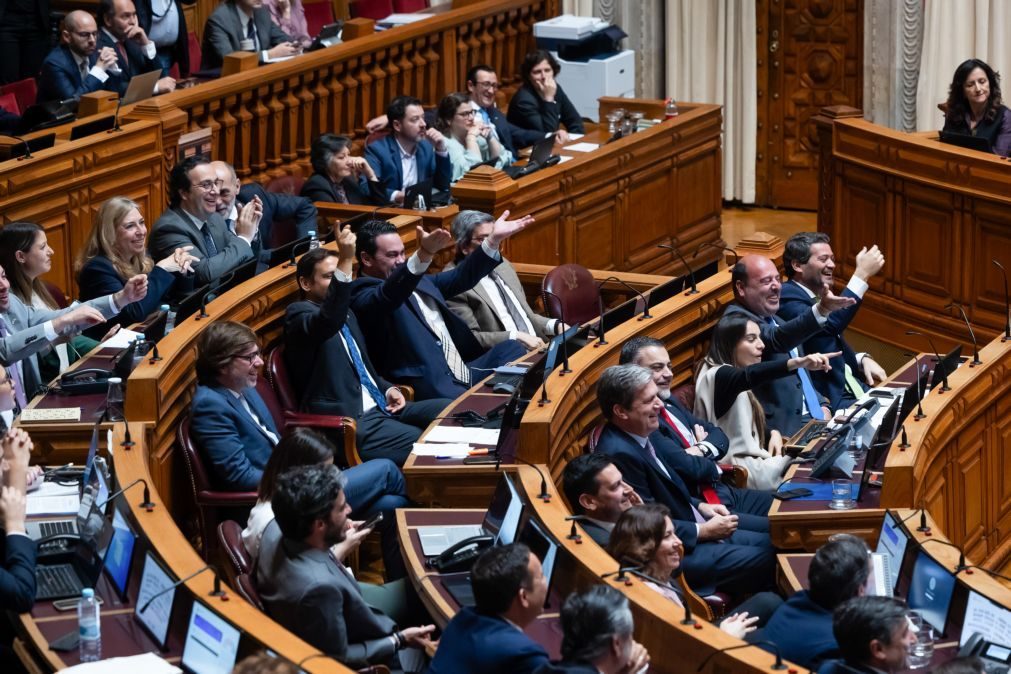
x=708, y=493
x=121, y=49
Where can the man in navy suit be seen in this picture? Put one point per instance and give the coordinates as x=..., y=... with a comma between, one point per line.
x=76, y=66
x=809, y=265
x=718, y=555
x=412, y=336
x=135, y=53
x=702, y=442
x=482, y=84
x=509, y=593
x=874, y=635
x=595, y=489
x=411, y=153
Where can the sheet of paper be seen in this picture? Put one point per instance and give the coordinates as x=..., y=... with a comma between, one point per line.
x=51, y=414
x=562, y=158
x=575, y=136
x=56, y=489
x=987, y=618
x=454, y=451
x=463, y=435
x=582, y=147
x=122, y=339
x=149, y=663
x=67, y=504
x=278, y=59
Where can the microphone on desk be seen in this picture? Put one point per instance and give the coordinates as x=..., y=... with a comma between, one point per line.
x=115, y=123
x=573, y=534
x=972, y=335
x=1007, y=304
x=775, y=649
x=713, y=244
x=28, y=148
x=544, y=495
x=147, y=504
x=564, y=344
x=644, y=298
x=291, y=257
x=919, y=394
x=923, y=528
x=937, y=356
x=208, y=297
x=621, y=575
x=155, y=357
x=216, y=592
x=904, y=442
x=961, y=566
x=691, y=273
x=689, y=618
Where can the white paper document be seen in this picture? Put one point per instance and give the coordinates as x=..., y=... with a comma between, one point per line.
x=582, y=147
x=122, y=339
x=463, y=435
x=562, y=158
x=51, y=414
x=448, y=450
x=987, y=618
x=53, y=499
x=149, y=663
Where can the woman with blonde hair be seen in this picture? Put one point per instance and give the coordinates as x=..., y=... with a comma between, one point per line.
x=116, y=249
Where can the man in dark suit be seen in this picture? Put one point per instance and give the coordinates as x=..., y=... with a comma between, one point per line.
x=809, y=265
x=243, y=25
x=595, y=489
x=874, y=636
x=705, y=443
x=482, y=84
x=789, y=402
x=164, y=21
x=496, y=309
x=76, y=66
x=412, y=335
x=411, y=153
x=305, y=588
x=233, y=195
x=135, y=53
x=718, y=555
x=802, y=626
x=330, y=366
x=17, y=550
x=509, y=593
x=192, y=220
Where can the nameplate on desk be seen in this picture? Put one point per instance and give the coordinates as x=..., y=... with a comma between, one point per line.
x=37, y=414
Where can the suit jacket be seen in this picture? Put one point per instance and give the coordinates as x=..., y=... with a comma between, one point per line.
x=98, y=277
x=223, y=33
x=782, y=398
x=28, y=336
x=511, y=136
x=402, y=344
x=305, y=591
x=475, y=307
x=843, y=667
x=181, y=49
x=714, y=434
x=136, y=63
x=279, y=207
x=384, y=157
x=599, y=534
x=649, y=481
x=793, y=301
x=174, y=229
x=17, y=574
x=803, y=631
x=362, y=191
x=322, y=373
x=236, y=447
x=528, y=110
x=475, y=642
x=60, y=79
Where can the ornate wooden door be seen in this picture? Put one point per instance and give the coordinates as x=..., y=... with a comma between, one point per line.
x=810, y=54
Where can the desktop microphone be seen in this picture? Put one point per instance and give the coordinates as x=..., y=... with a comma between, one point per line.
x=621, y=574
x=154, y=354
x=975, y=347
x=713, y=244
x=689, y=619
x=775, y=649
x=28, y=148
x=1007, y=303
x=645, y=300
x=904, y=442
x=216, y=592
x=923, y=528
x=919, y=394
x=691, y=273
x=600, y=326
x=565, y=348
x=208, y=297
x=573, y=534
x=291, y=258
x=937, y=355
x=115, y=124
x=127, y=438
x=961, y=566
x=544, y=495
x=146, y=503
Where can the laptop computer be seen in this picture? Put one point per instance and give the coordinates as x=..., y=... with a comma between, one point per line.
x=422, y=189
x=501, y=521
x=141, y=87
x=540, y=156
x=212, y=643
x=328, y=36
x=70, y=573
x=55, y=526
x=977, y=143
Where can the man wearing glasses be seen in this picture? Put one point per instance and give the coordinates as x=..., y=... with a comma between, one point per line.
x=192, y=220
x=482, y=85
x=76, y=66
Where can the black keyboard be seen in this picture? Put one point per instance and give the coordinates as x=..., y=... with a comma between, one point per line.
x=55, y=527
x=56, y=581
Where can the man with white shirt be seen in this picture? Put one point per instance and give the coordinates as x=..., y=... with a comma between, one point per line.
x=135, y=52
x=76, y=66
x=243, y=25
x=192, y=220
x=329, y=364
x=496, y=309
x=809, y=265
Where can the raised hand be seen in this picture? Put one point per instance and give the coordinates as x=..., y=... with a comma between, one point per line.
x=869, y=262
x=504, y=228
x=830, y=302
x=80, y=317
x=432, y=242
x=813, y=361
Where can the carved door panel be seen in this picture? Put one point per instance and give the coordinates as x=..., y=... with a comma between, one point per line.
x=810, y=54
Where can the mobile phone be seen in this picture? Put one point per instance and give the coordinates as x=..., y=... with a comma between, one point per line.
x=70, y=603
x=792, y=493
x=371, y=522
x=67, y=642
x=480, y=459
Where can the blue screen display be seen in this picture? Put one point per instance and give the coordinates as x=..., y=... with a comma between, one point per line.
x=930, y=590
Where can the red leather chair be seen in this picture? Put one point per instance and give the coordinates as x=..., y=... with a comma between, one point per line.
x=25, y=91
x=409, y=6
x=211, y=502
x=286, y=185
x=685, y=395
x=9, y=102
x=371, y=9
x=578, y=297
x=230, y=540
x=195, y=54
x=244, y=586
x=317, y=15
x=58, y=295
x=283, y=229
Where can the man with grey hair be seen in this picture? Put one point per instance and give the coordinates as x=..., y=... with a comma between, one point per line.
x=496, y=309
x=718, y=556
x=597, y=635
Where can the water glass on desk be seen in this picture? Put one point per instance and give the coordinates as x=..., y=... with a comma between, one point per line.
x=842, y=495
x=921, y=653
x=614, y=119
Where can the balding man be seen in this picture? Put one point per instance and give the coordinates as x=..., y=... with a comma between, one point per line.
x=789, y=402
x=76, y=66
x=135, y=52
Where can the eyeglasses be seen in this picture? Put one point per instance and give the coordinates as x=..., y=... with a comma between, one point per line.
x=250, y=358
x=87, y=36
x=207, y=185
x=487, y=85
x=466, y=113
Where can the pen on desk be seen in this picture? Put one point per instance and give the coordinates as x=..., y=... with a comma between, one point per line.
x=444, y=458
x=477, y=452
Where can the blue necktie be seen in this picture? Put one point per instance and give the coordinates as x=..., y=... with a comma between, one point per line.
x=212, y=250
x=363, y=374
x=811, y=398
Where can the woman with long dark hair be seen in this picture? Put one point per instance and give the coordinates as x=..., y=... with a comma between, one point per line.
x=975, y=107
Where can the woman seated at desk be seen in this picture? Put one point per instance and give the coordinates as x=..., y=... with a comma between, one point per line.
x=540, y=104
x=116, y=249
x=289, y=15
x=470, y=141
x=974, y=106
x=723, y=396
x=340, y=178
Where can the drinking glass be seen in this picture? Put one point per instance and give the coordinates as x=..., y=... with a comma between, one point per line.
x=842, y=495
x=921, y=653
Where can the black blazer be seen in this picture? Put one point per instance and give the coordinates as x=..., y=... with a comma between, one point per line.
x=321, y=371
x=137, y=62
x=181, y=49
x=362, y=192
x=17, y=574
x=528, y=110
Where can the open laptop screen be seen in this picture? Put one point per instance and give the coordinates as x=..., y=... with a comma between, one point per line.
x=212, y=643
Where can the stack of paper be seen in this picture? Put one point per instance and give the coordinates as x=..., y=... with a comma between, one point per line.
x=54, y=499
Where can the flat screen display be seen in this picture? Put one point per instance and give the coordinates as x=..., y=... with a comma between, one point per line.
x=930, y=591
x=892, y=544
x=211, y=643
x=155, y=613
x=120, y=552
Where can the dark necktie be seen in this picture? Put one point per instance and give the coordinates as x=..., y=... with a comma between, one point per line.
x=342, y=196
x=363, y=374
x=121, y=50
x=84, y=70
x=515, y=312
x=251, y=33
x=212, y=250
x=14, y=373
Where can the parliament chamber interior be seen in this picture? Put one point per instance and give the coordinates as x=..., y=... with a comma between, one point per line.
x=515, y=336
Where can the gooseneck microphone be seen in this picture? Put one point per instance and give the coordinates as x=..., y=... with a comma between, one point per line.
x=545, y=495
x=28, y=148
x=689, y=618
x=147, y=504
x=215, y=592
x=972, y=335
x=961, y=566
x=645, y=300
x=208, y=297
x=713, y=244
x=294, y=252
x=937, y=355
x=919, y=393
x=778, y=665
x=574, y=535
x=691, y=273
x=1007, y=303
x=115, y=120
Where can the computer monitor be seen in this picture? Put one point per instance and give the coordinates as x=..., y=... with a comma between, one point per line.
x=155, y=616
x=513, y=513
x=990, y=620
x=892, y=544
x=930, y=590
x=545, y=547
x=948, y=364
x=914, y=393
x=91, y=128
x=119, y=555
x=212, y=643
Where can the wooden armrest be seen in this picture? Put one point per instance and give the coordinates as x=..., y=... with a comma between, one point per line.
x=734, y=475
x=407, y=390
x=346, y=424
